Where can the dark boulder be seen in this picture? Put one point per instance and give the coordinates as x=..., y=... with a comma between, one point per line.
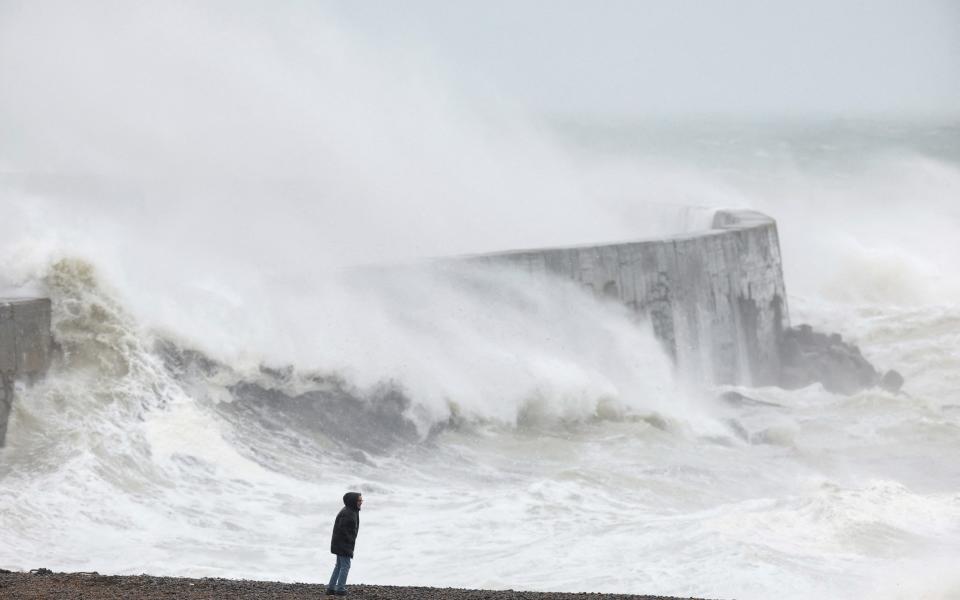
x=891, y=381
x=807, y=356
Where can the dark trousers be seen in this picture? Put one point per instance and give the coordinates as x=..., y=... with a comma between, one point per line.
x=338, y=580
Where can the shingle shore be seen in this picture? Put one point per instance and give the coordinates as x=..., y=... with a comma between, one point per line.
x=42, y=583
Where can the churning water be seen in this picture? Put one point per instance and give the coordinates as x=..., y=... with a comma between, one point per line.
x=228, y=371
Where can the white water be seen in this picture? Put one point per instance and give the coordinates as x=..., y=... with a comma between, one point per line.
x=214, y=196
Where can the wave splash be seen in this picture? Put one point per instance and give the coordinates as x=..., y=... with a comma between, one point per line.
x=526, y=352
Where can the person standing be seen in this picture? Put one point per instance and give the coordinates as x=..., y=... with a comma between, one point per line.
x=345, y=529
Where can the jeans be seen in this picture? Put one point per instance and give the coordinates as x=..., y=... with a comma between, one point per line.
x=338, y=580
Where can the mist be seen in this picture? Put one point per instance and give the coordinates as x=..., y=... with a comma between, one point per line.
x=220, y=173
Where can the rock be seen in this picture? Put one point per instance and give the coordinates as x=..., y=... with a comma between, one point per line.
x=737, y=399
x=891, y=381
x=808, y=357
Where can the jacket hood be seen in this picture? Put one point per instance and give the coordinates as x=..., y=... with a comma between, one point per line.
x=350, y=500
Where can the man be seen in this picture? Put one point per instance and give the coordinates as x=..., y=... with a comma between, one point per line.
x=345, y=530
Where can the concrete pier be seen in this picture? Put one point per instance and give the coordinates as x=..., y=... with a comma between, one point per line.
x=715, y=298
x=25, y=347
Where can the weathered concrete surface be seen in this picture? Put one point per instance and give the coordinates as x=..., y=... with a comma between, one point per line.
x=715, y=298
x=25, y=347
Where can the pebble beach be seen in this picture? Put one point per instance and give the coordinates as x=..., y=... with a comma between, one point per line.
x=42, y=583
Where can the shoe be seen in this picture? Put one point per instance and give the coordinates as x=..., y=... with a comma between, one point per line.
x=341, y=592
x=330, y=592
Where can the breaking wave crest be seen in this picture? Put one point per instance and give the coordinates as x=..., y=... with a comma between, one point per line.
x=524, y=353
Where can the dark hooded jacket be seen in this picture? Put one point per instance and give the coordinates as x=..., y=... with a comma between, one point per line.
x=346, y=527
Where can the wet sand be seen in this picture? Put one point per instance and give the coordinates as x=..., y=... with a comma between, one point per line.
x=42, y=583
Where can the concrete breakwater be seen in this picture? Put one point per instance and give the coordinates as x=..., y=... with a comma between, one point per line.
x=25, y=347
x=715, y=298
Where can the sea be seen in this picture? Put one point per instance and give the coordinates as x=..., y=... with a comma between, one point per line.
x=250, y=322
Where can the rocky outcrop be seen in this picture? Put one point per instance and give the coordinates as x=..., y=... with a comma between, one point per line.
x=808, y=357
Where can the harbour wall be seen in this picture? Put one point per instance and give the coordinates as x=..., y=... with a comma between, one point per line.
x=715, y=298
x=25, y=347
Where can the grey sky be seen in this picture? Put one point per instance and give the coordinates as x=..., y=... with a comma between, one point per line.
x=642, y=56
